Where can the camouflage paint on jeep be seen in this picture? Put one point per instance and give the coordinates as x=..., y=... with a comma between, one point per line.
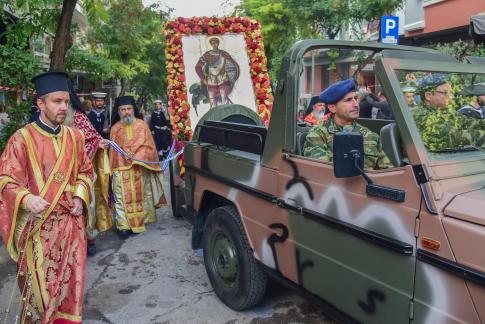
x=365, y=255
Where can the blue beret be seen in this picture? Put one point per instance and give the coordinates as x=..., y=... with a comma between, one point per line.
x=46, y=83
x=431, y=81
x=337, y=91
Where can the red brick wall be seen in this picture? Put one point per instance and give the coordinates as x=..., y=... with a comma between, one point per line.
x=449, y=14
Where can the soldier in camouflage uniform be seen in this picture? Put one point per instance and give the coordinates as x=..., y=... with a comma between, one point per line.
x=440, y=126
x=341, y=100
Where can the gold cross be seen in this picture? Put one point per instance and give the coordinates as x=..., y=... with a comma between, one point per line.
x=59, y=177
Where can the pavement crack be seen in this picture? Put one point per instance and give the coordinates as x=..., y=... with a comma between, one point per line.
x=172, y=309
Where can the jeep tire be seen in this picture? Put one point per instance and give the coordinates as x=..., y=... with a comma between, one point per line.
x=234, y=273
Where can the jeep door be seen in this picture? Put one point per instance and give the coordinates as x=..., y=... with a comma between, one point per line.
x=449, y=151
x=355, y=251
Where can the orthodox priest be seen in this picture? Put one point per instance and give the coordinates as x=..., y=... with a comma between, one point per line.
x=99, y=118
x=160, y=127
x=45, y=181
x=137, y=176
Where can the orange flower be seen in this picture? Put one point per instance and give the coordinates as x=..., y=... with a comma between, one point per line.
x=176, y=83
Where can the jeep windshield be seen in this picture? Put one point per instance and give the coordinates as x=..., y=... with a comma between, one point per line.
x=448, y=110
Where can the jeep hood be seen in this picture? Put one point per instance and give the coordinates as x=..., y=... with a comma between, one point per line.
x=469, y=206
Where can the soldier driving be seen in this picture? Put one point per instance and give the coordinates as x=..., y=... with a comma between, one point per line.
x=341, y=100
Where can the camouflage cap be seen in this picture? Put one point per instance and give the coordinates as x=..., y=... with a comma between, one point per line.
x=432, y=81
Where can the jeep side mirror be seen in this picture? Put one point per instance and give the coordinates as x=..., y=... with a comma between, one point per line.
x=348, y=154
x=348, y=161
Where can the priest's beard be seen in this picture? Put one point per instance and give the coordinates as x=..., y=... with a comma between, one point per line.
x=69, y=116
x=127, y=120
x=318, y=114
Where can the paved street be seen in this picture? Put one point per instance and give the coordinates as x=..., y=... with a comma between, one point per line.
x=155, y=277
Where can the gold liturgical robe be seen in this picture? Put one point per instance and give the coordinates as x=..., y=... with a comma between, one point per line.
x=50, y=250
x=137, y=186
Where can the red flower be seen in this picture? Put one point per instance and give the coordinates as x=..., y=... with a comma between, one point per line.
x=177, y=91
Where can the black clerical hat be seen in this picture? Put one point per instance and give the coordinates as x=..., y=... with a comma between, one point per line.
x=124, y=100
x=46, y=83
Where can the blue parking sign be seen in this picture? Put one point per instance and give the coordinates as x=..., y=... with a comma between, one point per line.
x=390, y=30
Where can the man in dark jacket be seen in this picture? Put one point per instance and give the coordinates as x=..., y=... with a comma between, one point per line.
x=160, y=128
x=99, y=115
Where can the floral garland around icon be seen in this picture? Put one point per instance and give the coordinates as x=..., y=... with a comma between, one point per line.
x=179, y=106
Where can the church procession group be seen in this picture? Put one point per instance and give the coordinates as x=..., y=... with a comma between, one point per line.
x=67, y=176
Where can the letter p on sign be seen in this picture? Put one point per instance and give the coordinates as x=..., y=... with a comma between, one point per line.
x=389, y=30
x=390, y=25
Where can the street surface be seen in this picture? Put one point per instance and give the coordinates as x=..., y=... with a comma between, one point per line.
x=155, y=277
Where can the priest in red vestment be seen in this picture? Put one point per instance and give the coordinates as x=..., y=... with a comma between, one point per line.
x=137, y=176
x=45, y=181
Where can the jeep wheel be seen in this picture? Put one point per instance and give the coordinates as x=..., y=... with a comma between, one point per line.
x=235, y=275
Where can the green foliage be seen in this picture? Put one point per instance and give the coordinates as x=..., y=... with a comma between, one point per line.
x=33, y=18
x=126, y=42
x=97, y=67
x=333, y=55
x=368, y=10
x=18, y=115
x=280, y=28
x=324, y=17
x=460, y=49
x=286, y=21
x=17, y=66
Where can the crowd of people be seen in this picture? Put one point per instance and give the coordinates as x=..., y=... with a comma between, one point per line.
x=75, y=170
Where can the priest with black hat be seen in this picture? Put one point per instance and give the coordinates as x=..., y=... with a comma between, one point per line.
x=45, y=182
x=136, y=159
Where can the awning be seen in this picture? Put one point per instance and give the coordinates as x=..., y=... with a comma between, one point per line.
x=477, y=28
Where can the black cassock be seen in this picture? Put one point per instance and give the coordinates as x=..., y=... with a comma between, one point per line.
x=99, y=121
x=161, y=130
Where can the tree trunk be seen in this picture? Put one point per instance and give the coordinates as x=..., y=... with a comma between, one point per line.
x=62, y=40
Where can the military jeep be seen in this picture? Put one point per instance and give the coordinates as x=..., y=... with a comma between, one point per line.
x=403, y=244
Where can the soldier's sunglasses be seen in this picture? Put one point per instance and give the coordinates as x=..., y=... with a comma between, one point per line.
x=445, y=93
